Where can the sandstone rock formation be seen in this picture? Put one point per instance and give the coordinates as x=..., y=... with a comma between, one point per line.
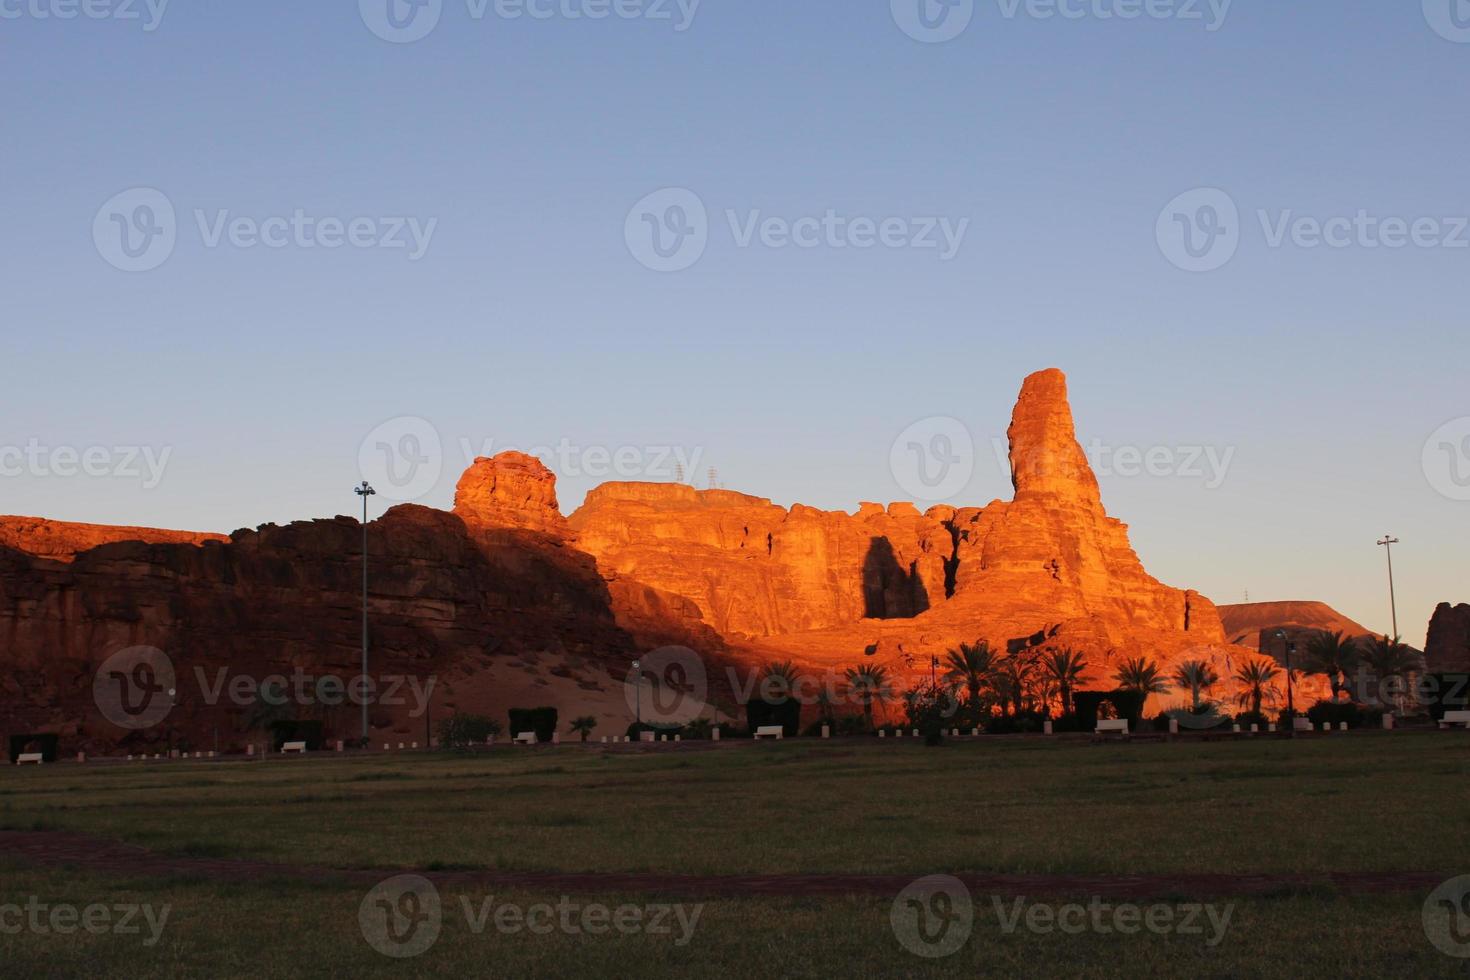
x=443, y=604
x=1255, y=624
x=63, y=541
x=506, y=583
x=1447, y=648
x=823, y=587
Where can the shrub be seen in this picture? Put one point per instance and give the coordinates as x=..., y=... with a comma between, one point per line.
x=1125, y=704
x=1335, y=713
x=44, y=744
x=542, y=721
x=931, y=712
x=1248, y=718
x=291, y=730
x=1444, y=692
x=1024, y=723
x=785, y=712
x=462, y=731
x=636, y=730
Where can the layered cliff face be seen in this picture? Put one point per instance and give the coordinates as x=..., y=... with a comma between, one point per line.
x=1447, y=648
x=445, y=602
x=63, y=541
x=752, y=568
x=506, y=581
x=824, y=585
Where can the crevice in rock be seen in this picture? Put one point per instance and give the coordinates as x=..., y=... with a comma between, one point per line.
x=952, y=563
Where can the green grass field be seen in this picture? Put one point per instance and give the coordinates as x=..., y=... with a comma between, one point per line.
x=1349, y=803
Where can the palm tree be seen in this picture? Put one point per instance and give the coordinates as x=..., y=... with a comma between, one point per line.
x=870, y=684
x=584, y=725
x=1257, y=679
x=1388, y=659
x=1065, y=667
x=1336, y=656
x=973, y=665
x=780, y=680
x=1013, y=680
x=1196, y=676
x=1141, y=675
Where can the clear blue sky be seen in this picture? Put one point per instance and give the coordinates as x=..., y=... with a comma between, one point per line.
x=528, y=321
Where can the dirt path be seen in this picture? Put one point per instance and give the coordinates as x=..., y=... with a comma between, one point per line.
x=96, y=854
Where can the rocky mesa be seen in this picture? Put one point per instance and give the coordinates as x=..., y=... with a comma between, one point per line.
x=480, y=598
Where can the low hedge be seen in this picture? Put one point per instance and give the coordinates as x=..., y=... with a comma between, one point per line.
x=542, y=721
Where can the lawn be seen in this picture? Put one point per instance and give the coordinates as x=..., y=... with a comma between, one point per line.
x=1343, y=803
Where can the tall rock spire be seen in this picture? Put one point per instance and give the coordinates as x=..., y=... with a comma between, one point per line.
x=1045, y=455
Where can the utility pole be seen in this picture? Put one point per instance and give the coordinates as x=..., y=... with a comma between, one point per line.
x=1387, y=544
x=365, y=491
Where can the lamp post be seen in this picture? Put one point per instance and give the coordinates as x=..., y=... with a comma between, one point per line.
x=365, y=491
x=638, y=696
x=1287, y=647
x=1387, y=544
x=934, y=673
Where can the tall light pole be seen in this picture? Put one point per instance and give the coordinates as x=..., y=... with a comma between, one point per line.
x=638, y=697
x=1387, y=544
x=1287, y=646
x=365, y=491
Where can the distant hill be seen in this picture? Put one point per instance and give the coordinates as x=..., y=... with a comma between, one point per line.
x=1244, y=622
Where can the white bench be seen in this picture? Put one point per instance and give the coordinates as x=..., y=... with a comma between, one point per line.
x=1302, y=724
x=1455, y=718
x=293, y=747
x=770, y=731
x=1119, y=725
x=25, y=757
x=526, y=738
